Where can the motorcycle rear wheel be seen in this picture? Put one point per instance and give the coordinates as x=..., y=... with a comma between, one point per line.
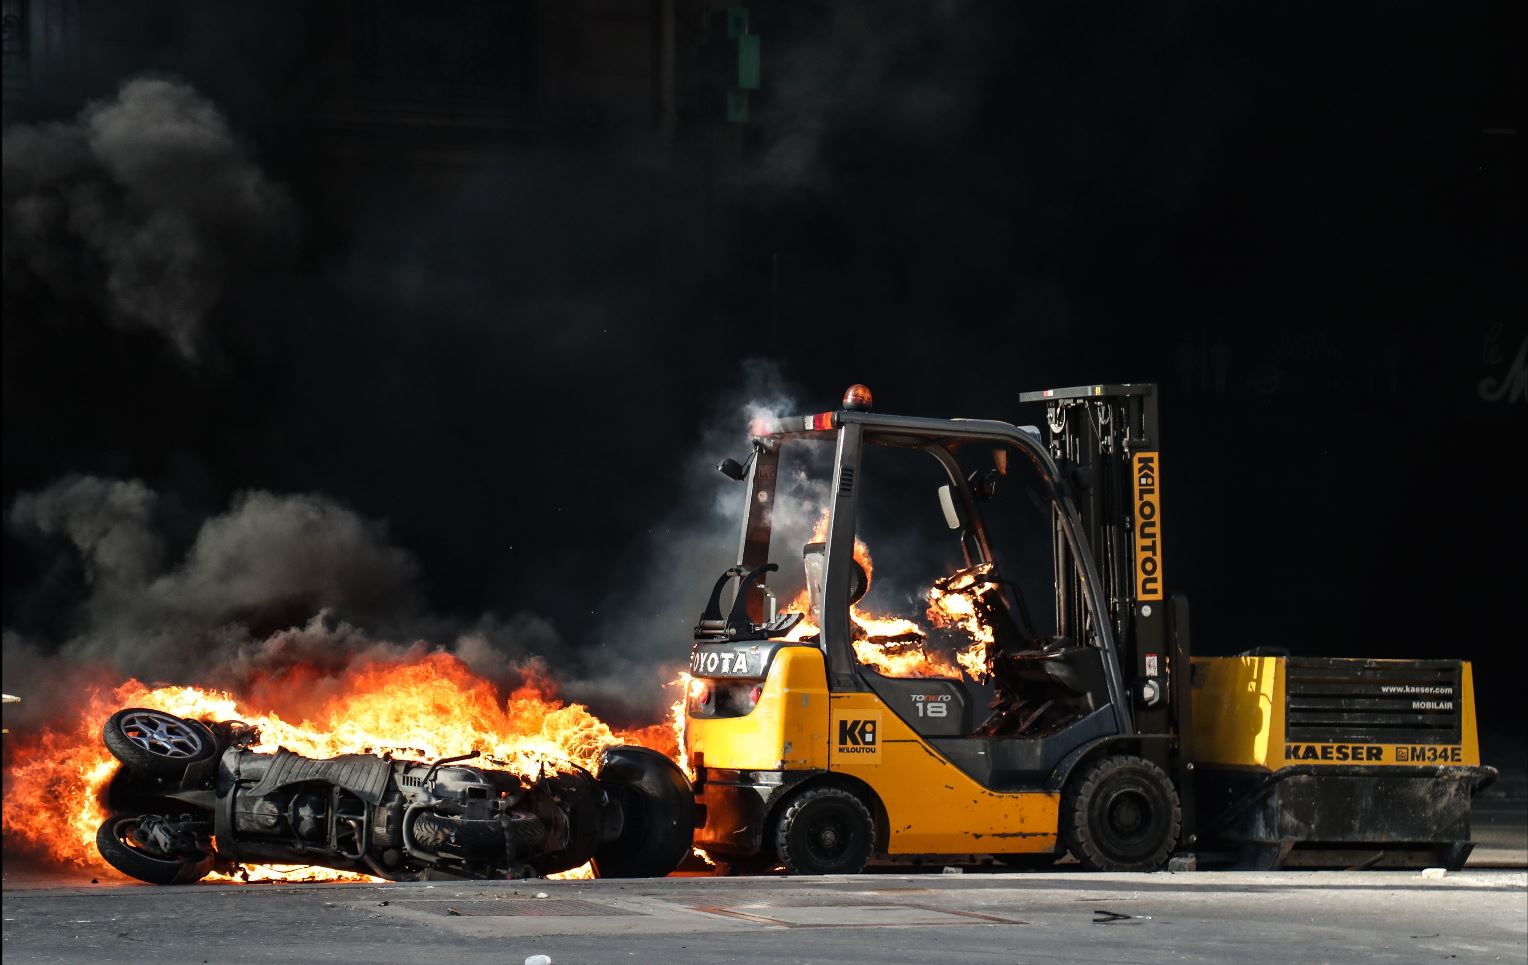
x=658, y=816
x=155, y=743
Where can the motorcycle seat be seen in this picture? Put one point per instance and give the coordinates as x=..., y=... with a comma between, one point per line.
x=363, y=775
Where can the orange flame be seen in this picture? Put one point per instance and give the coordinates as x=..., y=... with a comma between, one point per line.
x=687, y=688
x=895, y=646
x=430, y=708
x=954, y=608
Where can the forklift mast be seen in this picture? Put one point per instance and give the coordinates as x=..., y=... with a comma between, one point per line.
x=1105, y=441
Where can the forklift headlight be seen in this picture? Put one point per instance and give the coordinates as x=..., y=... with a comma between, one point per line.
x=1149, y=692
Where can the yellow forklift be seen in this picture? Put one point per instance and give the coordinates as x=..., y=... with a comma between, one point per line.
x=1104, y=737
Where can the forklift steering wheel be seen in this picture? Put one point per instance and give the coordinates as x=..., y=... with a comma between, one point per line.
x=859, y=583
x=969, y=580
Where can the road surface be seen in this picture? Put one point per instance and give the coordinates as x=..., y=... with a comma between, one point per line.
x=884, y=919
x=928, y=918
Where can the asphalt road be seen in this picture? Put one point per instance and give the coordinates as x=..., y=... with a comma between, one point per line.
x=881, y=918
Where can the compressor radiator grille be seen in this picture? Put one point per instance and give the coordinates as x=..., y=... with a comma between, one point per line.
x=1372, y=701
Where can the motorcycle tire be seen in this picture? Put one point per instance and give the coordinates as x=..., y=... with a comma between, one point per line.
x=157, y=744
x=114, y=845
x=658, y=812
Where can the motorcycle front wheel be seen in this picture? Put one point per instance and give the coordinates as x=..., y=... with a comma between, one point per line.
x=118, y=845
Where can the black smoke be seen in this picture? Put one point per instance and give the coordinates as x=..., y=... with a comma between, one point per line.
x=511, y=342
x=144, y=205
x=271, y=584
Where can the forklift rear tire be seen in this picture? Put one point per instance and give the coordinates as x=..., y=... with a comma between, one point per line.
x=1120, y=813
x=825, y=831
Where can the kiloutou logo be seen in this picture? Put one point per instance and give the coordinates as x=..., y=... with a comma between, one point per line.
x=856, y=737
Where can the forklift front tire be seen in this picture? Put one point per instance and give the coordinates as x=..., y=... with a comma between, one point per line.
x=825, y=831
x=1120, y=813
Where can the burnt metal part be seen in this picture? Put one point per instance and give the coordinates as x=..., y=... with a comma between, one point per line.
x=1043, y=689
x=1298, y=812
x=402, y=820
x=1040, y=684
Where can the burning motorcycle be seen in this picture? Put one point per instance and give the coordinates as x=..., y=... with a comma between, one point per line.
x=192, y=797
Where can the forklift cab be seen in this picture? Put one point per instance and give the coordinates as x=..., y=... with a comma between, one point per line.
x=1060, y=678
x=1075, y=662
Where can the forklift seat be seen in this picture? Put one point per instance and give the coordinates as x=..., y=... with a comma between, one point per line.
x=1057, y=661
x=1041, y=689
